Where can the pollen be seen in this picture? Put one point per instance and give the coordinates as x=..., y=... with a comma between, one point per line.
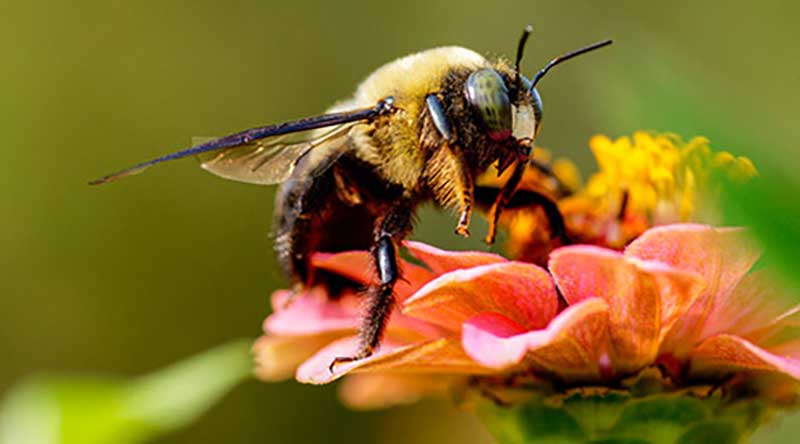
x=646, y=180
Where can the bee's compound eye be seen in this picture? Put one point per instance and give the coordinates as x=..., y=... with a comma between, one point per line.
x=488, y=94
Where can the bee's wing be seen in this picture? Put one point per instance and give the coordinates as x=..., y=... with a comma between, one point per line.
x=263, y=155
x=267, y=161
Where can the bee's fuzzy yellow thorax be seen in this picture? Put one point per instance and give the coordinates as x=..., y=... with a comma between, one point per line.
x=416, y=75
x=408, y=79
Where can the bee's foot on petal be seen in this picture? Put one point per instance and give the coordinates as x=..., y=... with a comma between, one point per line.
x=345, y=359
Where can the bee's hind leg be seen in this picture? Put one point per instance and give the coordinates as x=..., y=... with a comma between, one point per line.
x=389, y=231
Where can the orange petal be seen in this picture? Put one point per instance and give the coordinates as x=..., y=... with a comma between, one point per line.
x=439, y=356
x=754, y=310
x=570, y=347
x=523, y=292
x=277, y=357
x=783, y=329
x=354, y=265
x=379, y=390
x=442, y=261
x=357, y=266
x=678, y=290
x=725, y=353
x=645, y=298
x=720, y=256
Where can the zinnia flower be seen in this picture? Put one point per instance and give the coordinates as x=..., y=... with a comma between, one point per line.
x=679, y=298
x=598, y=342
x=679, y=293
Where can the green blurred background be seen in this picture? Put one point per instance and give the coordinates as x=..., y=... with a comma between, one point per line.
x=130, y=277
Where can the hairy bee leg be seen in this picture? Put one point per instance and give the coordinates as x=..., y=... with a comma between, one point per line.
x=452, y=184
x=503, y=197
x=462, y=229
x=558, y=227
x=390, y=230
x=465, y=190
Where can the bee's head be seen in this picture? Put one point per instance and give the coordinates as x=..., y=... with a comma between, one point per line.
x=510, y=108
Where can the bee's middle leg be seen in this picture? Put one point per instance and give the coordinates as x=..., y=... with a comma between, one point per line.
x=389, y=231
x=503, y=197
x=554, y=216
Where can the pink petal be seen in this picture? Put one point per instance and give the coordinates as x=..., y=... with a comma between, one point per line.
x=752, y=310
x=380, y=390
x=788, y=348
x=439, y=356
x=311, y=313
x=279, y=299
x=522, y=292
x=724, y=353
x=720, y=256
x=645, y=298
x=442, y=261
x=571, y=346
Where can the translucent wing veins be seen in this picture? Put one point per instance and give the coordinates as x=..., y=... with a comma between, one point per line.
x=266, y=163
x=247, y=137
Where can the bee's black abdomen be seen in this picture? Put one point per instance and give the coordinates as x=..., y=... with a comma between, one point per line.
x=300, y=203
x=312, y=215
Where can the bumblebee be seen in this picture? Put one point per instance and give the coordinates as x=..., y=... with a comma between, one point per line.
x=418, y=129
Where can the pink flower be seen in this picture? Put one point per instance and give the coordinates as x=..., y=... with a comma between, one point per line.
x=313, y=328
x=679, y=297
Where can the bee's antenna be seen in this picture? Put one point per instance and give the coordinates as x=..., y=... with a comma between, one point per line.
x=520, y=50
x=565, y=57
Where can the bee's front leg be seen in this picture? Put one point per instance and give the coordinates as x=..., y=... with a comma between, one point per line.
x=390, y=229
x=465, y=205
x=464, y=187
x=452, y=184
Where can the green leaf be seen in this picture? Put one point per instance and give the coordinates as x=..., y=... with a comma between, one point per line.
x=769, y=207
x=60, y=409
